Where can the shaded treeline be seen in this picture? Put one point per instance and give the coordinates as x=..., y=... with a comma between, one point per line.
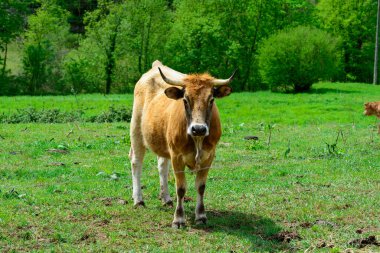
x=105, y=46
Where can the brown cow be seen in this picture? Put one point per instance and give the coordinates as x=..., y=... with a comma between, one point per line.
x=175, y=116
x=372, y=108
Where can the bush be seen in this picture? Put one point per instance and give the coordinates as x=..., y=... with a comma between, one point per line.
x=13, y=85
x=294, y=59
x=113, y=115
x=32, y=115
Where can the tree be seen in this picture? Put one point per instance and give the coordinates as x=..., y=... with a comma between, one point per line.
x=44, y=47
x=376, y=60
x=122, y=39
x=355, y=22
x=12, y=20
x=219, y=36
x=294, y=59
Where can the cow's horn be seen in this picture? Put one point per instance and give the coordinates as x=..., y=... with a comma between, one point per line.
x=171, y=81
x=220, y=82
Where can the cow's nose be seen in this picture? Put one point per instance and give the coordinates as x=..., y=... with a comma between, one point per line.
x=198, y=130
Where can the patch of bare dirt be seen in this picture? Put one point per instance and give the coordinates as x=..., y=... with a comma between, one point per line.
x=362, y=242
x=306, y=224
x=310, y=224
x=285, y=236
x=56, y=164
x=60, y=151
x=15, y=152
x=110, y=201
x=324, y=222
x=323, y=244
x=188, y=199
x=251, y=137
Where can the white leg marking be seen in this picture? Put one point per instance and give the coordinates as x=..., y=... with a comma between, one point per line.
x=163, y=170
x=136, y=164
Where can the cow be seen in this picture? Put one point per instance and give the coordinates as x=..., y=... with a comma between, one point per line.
x=175, y=116
x=372, y=108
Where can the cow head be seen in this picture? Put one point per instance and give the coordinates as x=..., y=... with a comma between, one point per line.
x=372, y=108
x=197, y=92
x=369, y=108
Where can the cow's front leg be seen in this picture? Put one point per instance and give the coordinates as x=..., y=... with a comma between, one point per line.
x=200, y=185
x=180, y=181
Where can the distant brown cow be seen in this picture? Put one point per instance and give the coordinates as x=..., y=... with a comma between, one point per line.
x=373, y=108
x=175, y=116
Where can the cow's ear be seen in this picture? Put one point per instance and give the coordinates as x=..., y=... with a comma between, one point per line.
x=222, y=91
x=174, y=93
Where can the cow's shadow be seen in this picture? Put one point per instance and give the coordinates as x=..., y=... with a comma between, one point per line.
x=256, y=229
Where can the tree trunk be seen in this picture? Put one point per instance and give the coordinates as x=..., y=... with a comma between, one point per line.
x=141, y=50
x=375, y=65
x=252, y=49
x=146, y=49
x=110, y=63
x=5, y=59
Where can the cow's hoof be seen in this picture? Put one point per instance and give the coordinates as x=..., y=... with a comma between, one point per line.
x=168, y=203
x=201, y=221
x=139, y=204
x=178, y=224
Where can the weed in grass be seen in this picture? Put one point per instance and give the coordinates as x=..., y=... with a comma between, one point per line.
x=254, y=144
x=332, y=150
x=13, y=194
x=287, y=151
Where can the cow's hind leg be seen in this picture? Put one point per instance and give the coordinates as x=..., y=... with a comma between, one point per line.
x=200, y=185
x=180, y=181
x=137, y=156
x=163, y=170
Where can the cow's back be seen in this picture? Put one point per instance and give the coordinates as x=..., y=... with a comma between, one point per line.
x=149, y=108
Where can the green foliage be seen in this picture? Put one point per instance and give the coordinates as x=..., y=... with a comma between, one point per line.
x=106, y=45
x=44, y=48
x=113, y=115
x=33, y=115
x=205, y=38
x=12, y=14
x=294, y=59
x=12, y=85
x=122, y=40
x=11, y=20
x=81, y=69
x=355, y=22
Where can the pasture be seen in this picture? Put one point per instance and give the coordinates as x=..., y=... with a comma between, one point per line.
x=310, y=182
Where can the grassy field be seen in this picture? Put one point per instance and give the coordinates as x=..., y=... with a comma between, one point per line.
x=311, y=182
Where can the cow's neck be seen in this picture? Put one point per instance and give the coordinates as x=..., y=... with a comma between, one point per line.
x=198, y=142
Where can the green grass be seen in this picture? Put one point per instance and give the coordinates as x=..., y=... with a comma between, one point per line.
x=254, y=190
x=91, y=105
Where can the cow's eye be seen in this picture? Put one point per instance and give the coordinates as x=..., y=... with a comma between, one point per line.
x=185, y=102
x=211, y=101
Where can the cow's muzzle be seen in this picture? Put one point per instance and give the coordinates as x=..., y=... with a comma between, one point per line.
x=198, y=130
